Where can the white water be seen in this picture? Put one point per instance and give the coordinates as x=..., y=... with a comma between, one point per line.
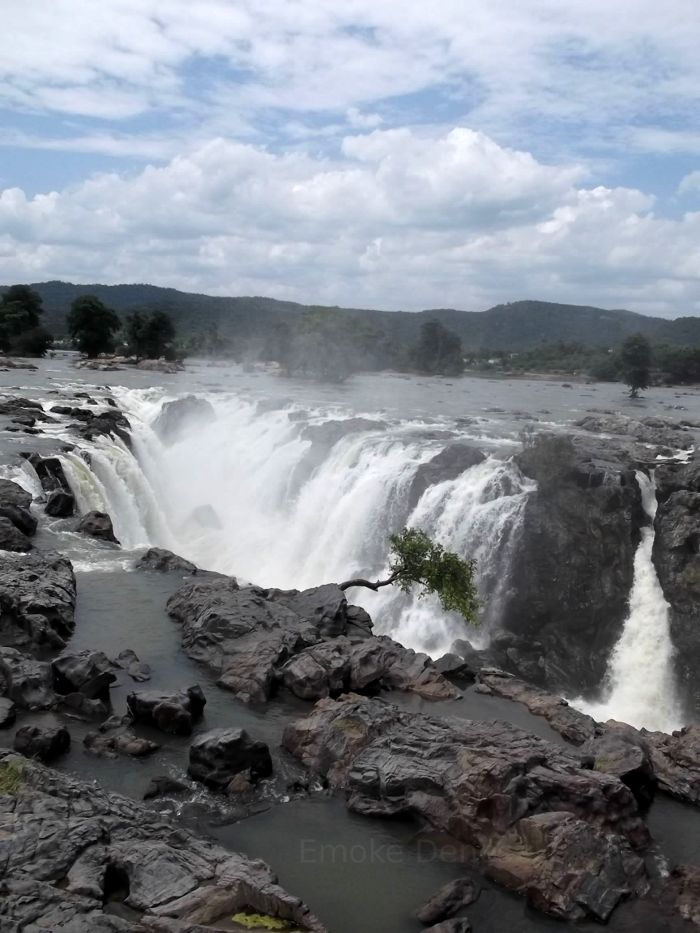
x=640, y=682
x=289, y=516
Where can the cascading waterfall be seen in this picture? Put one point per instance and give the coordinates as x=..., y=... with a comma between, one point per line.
x=249, y=494
x=640, y=682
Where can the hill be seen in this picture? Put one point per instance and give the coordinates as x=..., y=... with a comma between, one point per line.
x=519, y=325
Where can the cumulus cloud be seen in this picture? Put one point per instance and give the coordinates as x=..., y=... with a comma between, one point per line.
x=398, y=220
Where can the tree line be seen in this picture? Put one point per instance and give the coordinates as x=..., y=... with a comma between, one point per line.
x=93, y=327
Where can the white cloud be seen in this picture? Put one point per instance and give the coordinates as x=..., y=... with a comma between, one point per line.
x=690, y=184
x=400, y=220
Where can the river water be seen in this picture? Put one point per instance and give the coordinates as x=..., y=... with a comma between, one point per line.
x=257, y=493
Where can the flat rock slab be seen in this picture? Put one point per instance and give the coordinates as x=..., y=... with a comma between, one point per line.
x=68, y=846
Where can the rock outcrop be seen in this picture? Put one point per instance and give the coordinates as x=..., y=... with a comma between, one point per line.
x=37, y=601
x=71, y=853
x=26, y=682
x=566, y=837
x=176, y=417
x=163, y=561
x=310, y=641
x=676, y=557
x=581, y=524
x=44, y=744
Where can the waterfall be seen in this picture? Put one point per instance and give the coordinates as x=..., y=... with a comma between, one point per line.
x=254, y=493
x=640, y=681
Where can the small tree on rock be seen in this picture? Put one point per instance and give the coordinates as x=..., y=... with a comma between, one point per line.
x=418, y=561
x=92, y=325
x=438, y=350
x=635, y=363
x=20, y=328
x=150, y=336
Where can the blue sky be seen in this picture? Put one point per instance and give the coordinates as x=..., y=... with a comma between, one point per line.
x=360, y=153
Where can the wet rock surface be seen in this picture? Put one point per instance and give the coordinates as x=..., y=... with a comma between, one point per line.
x=97, y=525
x=176, y=417
x=163, y=561
x=311, y=641
x=526, y=804
x=170, y=712
x=581, y=524
x=37, y=601
x=217, y=756
x=25, y=681
x=72, y=851
x=44, y=744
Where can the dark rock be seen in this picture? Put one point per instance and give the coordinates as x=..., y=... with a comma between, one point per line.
x=13, y=494
x=622, y=751
x=26, y=421
x=451, y=665
x=677, y=560
x=448, y=464
x=105, y=848
x=123, y=743
x=11, y=405
x=11, y=538
x=50, y=473
x=60, y=504
x=81, y=707
x=676, y=762
x=573, y=725
x=137, y=670
x=37, y=601
x=177, y=417
x=44, y=744
x=27, y=682
x=164, y=786
x=563, y=868
x=8, y=713
x=97, y=525
x=681, y=892
x=170, y=712
x=657, y=431
x=216, y=756
x=164, y=561
x=449, y=901
x=22, y=519
x=580, y=524
x=456, y=925
x=88, y=672
x=255, y=639
x=547, y=827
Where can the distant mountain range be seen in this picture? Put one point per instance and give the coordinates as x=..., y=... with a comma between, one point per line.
x=519, y=325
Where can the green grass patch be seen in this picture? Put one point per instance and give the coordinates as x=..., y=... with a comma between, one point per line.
x=261, y=922
x=11, y=777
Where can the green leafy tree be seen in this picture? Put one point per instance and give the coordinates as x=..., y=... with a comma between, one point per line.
x=438, y=350
x=635, y=363
x=20, y=322
x=92, y=325
x=150, y=335
x=418, y=561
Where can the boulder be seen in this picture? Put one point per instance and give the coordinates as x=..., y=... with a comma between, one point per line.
x=60, y=504
x=22, y=519
x=44, y=744
x=11, y=538
x=163, y=561
x=88, y=672
x=177, y=417
x=676, y=761
x=13, y=494
x=622, y=751
x=492, y=786
x=121, y=866
x=137, y=670
x=451, y=900
x=170, y=712
x=456, y=925
x=122, y=743
x=26, y=682
x=50, y=472
x=14, y=506
x=220, y=754
x=97, y=525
